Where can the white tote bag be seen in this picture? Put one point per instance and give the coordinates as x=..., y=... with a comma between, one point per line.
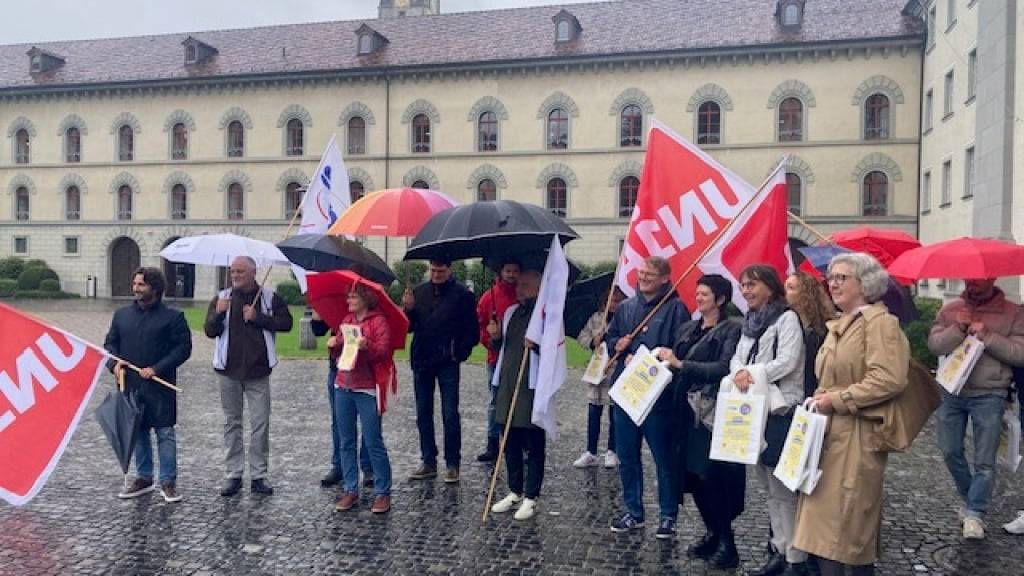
x=1009, y=441
x=955, y=367
x=817, y=444
x=640, y=384
x=794, y=462
x=738, y=433
x=595, y=372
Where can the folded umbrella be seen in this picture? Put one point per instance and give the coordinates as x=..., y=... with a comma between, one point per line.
x=119, y=416
x=963, y=258
x=485, y=228
x=328, y=294
x=323, y=253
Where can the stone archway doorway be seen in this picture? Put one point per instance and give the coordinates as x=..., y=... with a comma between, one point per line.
x=181, y=278
x=124, y=261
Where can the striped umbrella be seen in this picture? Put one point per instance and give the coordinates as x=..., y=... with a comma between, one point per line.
x=391, y=212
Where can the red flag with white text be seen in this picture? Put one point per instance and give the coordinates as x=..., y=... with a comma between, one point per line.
x=685, y=200
x=46, y=379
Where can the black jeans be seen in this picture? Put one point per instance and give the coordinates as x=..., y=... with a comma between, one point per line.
x=446, y=378
x=530, y=441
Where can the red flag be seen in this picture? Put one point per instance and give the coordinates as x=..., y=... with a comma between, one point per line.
x=46, y=379
x=685, y=200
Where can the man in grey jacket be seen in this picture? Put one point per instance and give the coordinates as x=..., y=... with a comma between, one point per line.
x=984, y=311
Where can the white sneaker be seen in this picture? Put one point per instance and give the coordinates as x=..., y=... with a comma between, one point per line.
x=506, y=503
x=526, y=510
x=974, y=528
x=585, y=461
x=1017, y=526
x=610, y=459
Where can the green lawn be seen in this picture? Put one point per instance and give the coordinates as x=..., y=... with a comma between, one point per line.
x=288, y=344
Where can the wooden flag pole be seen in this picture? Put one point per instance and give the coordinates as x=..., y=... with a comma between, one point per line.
x=809, y=228
x=287, y=232
x=504, y=434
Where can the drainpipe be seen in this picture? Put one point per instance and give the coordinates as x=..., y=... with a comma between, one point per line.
x=387, y=144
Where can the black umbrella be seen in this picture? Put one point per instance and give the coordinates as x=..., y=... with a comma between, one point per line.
x=323, y=253
x=534, y=260
x=486, y=228
x=583, y=300
x=120, y=416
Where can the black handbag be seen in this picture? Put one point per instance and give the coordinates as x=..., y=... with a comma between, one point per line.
x=775, y=435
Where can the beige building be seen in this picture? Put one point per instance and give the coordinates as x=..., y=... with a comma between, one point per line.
x=116, y=147
x=972, y=132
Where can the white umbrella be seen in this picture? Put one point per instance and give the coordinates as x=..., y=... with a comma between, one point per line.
x=221, y=249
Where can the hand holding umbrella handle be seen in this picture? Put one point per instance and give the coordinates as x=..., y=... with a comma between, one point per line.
x=122, y=364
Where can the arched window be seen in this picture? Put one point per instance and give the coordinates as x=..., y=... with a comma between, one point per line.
x=709, y=123
x=628, y=189
x=179, y=202
x=356, y=190
x=125, y=143
x=791, y=120
x=21, y=204
x=21, y=147
x=190, y=53
x=562, y=31
x=794, y=191
x=558, y=129
x=558, y=198
x=876, y=194
x=365, y=43
x=72, y=145
x=876, y=117
x=631, y=126
x=486, y=190
x=294, y=138
x=236, y=201
x=124, y=203
x=236, y=139
x=487, y=132
x=179, y=142
x=72, y=203
x=292, y=199
x=421, y=184
x=421, y=133
x=356, y=135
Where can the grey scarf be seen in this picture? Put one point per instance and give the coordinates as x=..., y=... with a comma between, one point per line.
x=757, y=321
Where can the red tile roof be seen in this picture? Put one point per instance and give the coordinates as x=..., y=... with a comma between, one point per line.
x=609, y=28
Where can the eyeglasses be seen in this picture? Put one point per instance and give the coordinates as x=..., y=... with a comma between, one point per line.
x=838, y=279
x=643, y=274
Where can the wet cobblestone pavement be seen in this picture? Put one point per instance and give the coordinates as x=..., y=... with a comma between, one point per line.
x=77, y=525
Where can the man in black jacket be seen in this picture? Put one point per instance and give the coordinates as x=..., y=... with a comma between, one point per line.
x=155, y=338
x=442, y=318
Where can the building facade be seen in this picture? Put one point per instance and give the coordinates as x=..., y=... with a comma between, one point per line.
x=116, y=147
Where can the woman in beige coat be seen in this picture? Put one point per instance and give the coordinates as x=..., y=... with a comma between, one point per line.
x=863, y=362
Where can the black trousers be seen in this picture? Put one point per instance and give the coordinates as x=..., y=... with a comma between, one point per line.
x=719, y=495
x=528, y=443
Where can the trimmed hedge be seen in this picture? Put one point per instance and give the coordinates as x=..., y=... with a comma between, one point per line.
x=41, y=295
x=291, y=293
x=917, y=331
x=49, y=285
x=409, y=272
x=8, y=287
x=36, y=263
x=11, y=268
x=30, y=278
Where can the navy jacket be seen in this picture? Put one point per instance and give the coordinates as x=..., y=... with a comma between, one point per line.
x=156, y=337
x=443, y=323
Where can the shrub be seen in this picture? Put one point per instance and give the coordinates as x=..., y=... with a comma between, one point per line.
x=40, y=295
x=36, y=264
x=291, y=293
x=8, y=287
x=49, y=285
x=409, y=272
x=917, y=331
x=11, y=268
x=30, y=278
x=482, y=277
x=460, y=271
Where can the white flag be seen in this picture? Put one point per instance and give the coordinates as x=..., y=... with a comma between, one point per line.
x=548, y=330
x=328, y=195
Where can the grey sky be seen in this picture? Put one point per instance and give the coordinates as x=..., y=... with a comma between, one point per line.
x=47, y=20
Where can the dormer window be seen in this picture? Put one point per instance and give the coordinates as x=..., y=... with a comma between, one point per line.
x=370, y=40
x=790, y=13
x=197, y=51
x=43, y=61
x=567, y=27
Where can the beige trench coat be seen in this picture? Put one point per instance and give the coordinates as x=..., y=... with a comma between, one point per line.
x=862, y=362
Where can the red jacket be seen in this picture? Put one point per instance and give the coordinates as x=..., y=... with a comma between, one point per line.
x=377, y=354
x=495, y=301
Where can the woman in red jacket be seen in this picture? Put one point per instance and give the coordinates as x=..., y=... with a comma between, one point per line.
x=356, y=396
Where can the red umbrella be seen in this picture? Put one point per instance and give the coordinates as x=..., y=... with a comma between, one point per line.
x=328, y=292
x=963, y=258
x=884, y=244
x=392, y=212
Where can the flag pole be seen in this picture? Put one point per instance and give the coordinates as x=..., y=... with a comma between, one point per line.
x=679, y=280
x=287, y=232
x=504, y=435
x=808, y=227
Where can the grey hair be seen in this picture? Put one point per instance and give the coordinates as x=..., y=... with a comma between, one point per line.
x=250, y=260
x=874, y=280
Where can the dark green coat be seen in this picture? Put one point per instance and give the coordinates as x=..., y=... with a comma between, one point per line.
x=511, y=356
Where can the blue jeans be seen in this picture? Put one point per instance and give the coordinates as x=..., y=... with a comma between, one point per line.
x=986, y=414
x=364, y=456
x=349, y=405
x=657, y=430
x=493, y=428
x=447, y=378
x=167, y=451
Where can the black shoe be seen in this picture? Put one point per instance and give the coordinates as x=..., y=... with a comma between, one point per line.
x=705, y=548
x=333, y=477
x=773, y=567
x=491, y=453
x=798, y=569
x=261, y=486
x=231, y=487
x=725, y=556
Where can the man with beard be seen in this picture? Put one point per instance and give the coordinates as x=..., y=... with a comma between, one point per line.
x=155, y=338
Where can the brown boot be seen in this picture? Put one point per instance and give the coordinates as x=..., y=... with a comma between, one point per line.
x=347, y=501
x=423, y=472
x=381, y=504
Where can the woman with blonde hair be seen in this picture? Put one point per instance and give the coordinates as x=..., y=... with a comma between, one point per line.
x=807, y=297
